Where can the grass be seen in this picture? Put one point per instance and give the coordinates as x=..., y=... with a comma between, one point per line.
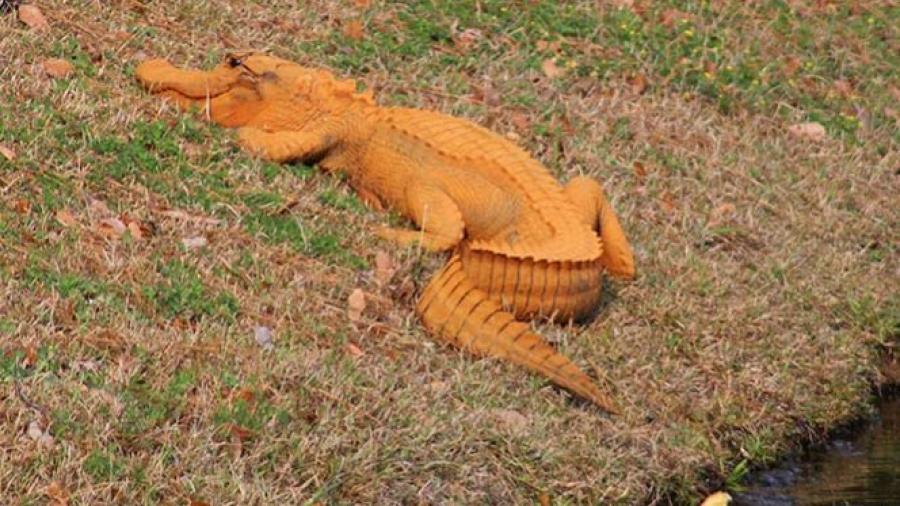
x=767, y=263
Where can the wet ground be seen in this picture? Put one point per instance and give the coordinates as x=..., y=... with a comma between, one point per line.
x=863, y=470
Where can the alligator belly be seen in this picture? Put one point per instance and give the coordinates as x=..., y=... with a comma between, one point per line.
x=564, y=290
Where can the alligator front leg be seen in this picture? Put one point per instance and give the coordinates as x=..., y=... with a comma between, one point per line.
x=440, y=222
x=587, y=195
x=286, y=145
x=159, y=75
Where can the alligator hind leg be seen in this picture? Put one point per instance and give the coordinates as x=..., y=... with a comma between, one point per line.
x=440, y=222
x=587, y=195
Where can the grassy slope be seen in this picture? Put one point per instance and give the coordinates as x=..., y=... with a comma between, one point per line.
x=766, y=262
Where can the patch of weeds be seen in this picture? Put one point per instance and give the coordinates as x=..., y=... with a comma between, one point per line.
x=147, y=407
x=286, y=228
x=182, y=294
x=342, y=200
x=103, y=466
x=93, y=299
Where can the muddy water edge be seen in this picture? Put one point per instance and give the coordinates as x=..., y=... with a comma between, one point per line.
x=861, y=467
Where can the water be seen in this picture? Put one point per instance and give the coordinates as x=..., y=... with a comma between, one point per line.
x=863, y=470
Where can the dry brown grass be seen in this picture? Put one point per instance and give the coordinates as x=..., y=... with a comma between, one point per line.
x=768, y=264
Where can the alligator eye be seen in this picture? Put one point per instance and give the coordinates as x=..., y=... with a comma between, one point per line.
x=234, y=62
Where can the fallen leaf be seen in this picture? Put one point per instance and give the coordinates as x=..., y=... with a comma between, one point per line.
x=520, y=121
x=640, y=171
x=111, y=228
x=31, y=357
x=134, y=228
x=467, y=38
x=353, y=350
x=638, y=83
x=356, y=304
x=510, y=419
x=263, y=337
x=843, y=87
x=57, y=493
x=33, y=17
x=550, y=69
x=544, y=499
x=99, y=207
x=197, y=241
x=354, y=29
x=811, y=130
x=57, y=68
x=791, y=65
x=240, y=433
x=34, y=430
x=197, y=502
x=384, y=267
x=717, y=499
x=21, y=206
x=669, y=17
x=7, y=153
x=65, y=218
x=363, y=4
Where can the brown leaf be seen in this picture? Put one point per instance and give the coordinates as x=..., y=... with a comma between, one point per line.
x=57, y=68
x=353, y=350
x=640, y=172
x=520, y=121
x=638, y=83
x=384, y=267
x=134, y=228
x=194, y=242
x=811, y=131
x=510, y=419
x=197, y=502
x=550, y=69
x=33, y=17
x=467, y=38
x=356, y=304
x=354, y=30
x=843, y=87
x=111, y=228
x=791, y=65
x=669, y=17
x=21, y=206
x=363, y=4
x=240, y=433
x=65, y=218
x=57, y=493
x=544, y=499
x=7, y=153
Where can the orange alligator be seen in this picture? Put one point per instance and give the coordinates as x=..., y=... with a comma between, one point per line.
x=523, y=246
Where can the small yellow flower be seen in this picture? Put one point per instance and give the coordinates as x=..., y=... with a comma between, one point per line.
x=689, y=33
x=708, y=75
x=571, y=64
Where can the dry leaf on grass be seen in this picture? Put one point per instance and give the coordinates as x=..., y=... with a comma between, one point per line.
x=57, y=68
x=263, y=337
x=356, y=304
x=194, y=242
x=467, y=38
x=384, y=267
x=550, y=68
x=638, y=83
x=811, y=130
x=363, y=4
x=111, y=228
x=21, y=206
x=510, y=419
x=37, y=433
x=354, y=29
x=7, y=153
x=843, y=87
x=57, y=493
x=33, y=17
x=66, y=218
x=353, y=350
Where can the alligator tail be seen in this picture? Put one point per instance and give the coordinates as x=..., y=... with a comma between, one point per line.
x=453, y=309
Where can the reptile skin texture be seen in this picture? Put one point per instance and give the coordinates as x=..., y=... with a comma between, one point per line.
x=522, y=245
